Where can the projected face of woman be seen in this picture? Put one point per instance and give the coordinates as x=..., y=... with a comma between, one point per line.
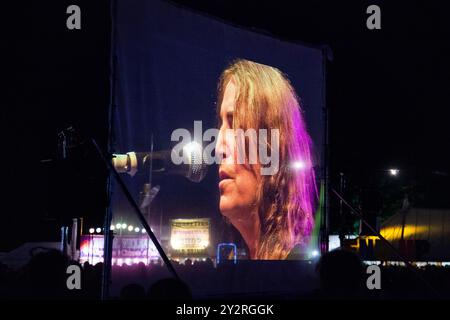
x=238, y=183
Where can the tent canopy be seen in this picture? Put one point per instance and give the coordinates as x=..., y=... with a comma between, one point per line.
x=431, y=225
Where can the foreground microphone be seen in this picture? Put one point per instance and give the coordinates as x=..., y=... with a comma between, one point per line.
x=192, y=166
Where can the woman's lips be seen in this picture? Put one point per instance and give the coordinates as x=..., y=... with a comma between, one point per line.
x=224, y=179
x=223, y=182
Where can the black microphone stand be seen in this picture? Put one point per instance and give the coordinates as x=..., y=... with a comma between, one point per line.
x=107, y=254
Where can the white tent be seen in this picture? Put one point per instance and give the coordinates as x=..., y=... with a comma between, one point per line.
x=431, y=226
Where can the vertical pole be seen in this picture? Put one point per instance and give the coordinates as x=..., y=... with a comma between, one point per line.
x=63, y=244
x=107, y=245
x=325, y=161
x=74, y=239
x=341, y=212
x=108, y=234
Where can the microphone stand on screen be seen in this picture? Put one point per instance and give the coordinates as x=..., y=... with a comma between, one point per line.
x=109, y=234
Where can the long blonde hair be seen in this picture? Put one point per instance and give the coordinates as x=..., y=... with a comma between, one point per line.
x=266, y=100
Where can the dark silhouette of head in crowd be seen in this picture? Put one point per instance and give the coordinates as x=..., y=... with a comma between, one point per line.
x=209, y=263
x=341, y=275
x=44, y=277
x=169, y=289
x=132, y=291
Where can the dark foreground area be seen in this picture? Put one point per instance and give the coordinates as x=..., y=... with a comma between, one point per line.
x=337, y=275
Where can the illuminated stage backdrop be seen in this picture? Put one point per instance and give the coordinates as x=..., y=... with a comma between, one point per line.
x=189, y=236
x=167, y=64
x=126, y=249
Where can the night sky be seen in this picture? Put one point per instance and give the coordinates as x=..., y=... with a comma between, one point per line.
x=387, y=93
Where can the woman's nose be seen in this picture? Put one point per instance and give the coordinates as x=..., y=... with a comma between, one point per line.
x=222, y=148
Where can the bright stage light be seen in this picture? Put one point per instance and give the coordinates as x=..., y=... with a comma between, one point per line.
x=204, y=243
x=130, y=228
x=191, y=147
x=394, y=172
x=124, y=226
x=118, y=226
x=315, y=253
x=91, y=230
x=98, y=230
x=136, y=229
x=143, y=230
x=112, y=228
x=298, y=165
x=176, y=243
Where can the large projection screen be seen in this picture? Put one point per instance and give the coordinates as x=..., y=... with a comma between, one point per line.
x=167, y=63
